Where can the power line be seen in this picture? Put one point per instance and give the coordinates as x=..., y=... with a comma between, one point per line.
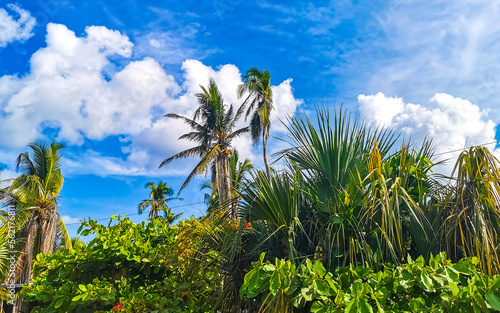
x=132, y=214
x=465, y=148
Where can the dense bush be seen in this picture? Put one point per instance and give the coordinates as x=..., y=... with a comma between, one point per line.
x=127, y=267
x=439, y=286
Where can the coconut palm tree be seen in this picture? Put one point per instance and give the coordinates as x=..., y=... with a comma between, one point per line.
x=238, y=171
x=35, y=193
x=257, y=84
x=213, y=130
x=159, y=196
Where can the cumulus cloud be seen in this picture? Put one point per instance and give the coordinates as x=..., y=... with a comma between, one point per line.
x=15, y=25
x=453, y=123
x=66, y=89
x=71, y=89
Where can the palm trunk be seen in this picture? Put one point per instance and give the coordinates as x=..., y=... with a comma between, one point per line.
x=223, y=179
x=48, y=230
x=227, y=183
x=265, y=136
x=25, y=258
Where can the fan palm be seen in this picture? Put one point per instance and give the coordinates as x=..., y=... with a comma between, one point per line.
x=36, y=192
x=260, y=104
x=159, y=196
x=213, y=130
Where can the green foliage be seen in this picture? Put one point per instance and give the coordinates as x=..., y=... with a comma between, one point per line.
x=137, y=264
x=438, y=286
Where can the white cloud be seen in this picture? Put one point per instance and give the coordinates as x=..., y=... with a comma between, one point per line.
x=452, y=123
x=67, y=89
x=285, y=104
x=16, y=25
x=447, y=47
x=70, y=220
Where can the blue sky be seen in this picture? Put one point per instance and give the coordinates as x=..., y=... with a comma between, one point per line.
x=99, y=75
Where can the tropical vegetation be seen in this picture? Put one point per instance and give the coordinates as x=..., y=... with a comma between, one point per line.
x=346, y=218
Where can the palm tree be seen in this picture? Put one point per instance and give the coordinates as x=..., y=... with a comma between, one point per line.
x=213, y=131
x=159, y=196
x=35, y=193
x=238, y=171
x=260, y=104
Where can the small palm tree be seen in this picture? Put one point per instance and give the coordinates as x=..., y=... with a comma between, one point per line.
x=159, y=196
x=260, y=104
x=213, y=130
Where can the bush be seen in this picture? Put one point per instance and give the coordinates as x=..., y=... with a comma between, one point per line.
x=127, y=267
x=439, y=286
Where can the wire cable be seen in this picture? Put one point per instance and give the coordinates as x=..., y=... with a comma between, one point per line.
x=132, y=214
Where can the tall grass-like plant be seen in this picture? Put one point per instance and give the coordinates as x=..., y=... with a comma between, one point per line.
x=470, y=214
x=391, y=210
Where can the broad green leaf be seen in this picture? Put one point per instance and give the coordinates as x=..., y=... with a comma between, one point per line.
x=319, y=269
x=493, y=299
x=275, y=283
x=364, y=307
x=426, y=282
x=495, y=284
x=454, y=288
x=58, y=303
x=318, y=307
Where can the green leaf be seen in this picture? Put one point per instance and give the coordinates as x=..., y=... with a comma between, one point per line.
x=493, y=299
x=318, y=307
x=426, y=281
x=275, y=283
x=495, y=284
x=76, y=298
x=460, y=268
x=454, y=288
x=269, y=267
x=58, y=303
x=307, y=294
x=319, y=269
x=352, y=307
x=82, y=288
x=364, y=307
x=322, y=287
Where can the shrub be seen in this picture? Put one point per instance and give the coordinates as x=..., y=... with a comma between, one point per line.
x=439, y=286
x=127, y=267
